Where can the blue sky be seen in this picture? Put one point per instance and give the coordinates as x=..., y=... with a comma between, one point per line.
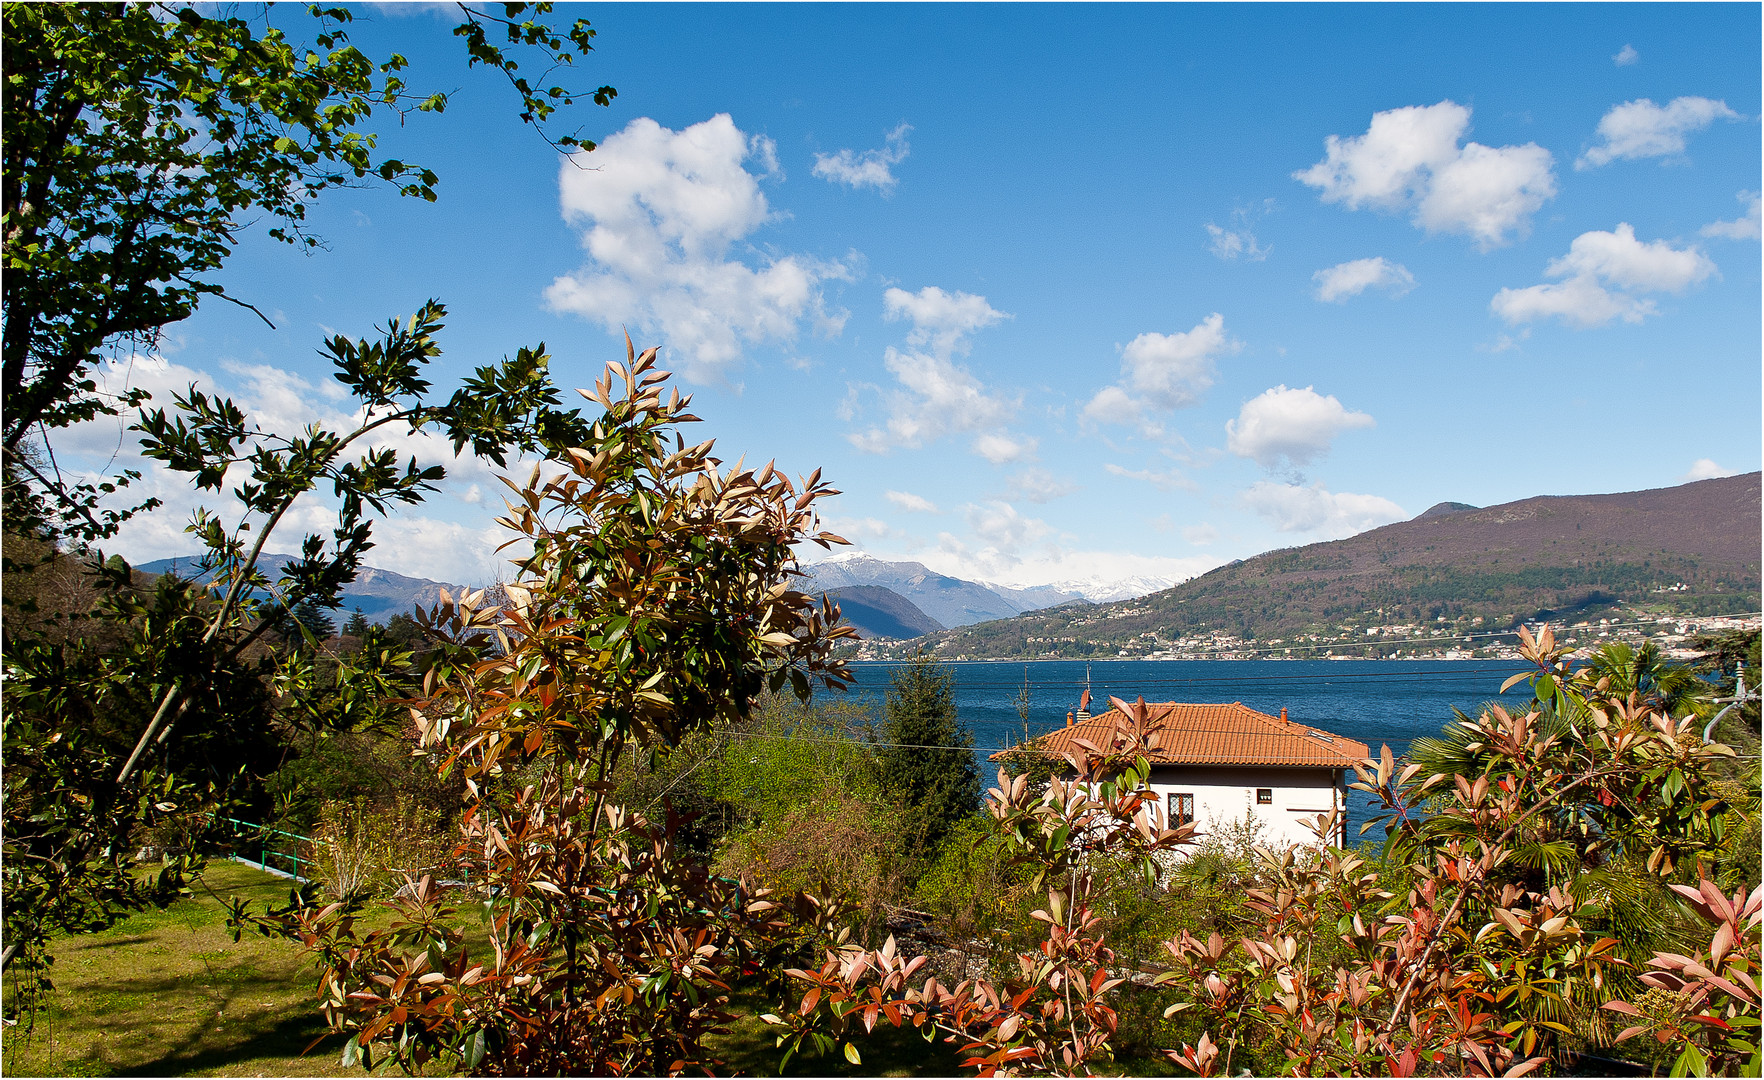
x=1077, y=294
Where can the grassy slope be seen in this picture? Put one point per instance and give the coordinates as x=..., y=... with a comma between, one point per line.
x=168, y=993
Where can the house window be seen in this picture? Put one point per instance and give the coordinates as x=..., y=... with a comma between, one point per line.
x=1181, y=808
x=1264, y=796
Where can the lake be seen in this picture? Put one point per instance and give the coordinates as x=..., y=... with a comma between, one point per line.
x=1373, y=701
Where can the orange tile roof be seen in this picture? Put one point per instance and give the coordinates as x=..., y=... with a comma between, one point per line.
x=1231, y=734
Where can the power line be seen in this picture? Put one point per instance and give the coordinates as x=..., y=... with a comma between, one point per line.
x=854, y=742
x=1163, y=680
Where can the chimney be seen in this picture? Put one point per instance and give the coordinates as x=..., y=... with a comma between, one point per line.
x=1283, y=718
x=1068, y=719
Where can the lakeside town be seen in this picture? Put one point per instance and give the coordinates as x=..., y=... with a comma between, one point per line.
x=1464, y=639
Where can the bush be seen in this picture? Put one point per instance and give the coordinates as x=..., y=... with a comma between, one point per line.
x=362, y=849
x=834, y=846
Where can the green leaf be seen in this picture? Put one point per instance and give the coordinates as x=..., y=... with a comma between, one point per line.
x=851, y=1054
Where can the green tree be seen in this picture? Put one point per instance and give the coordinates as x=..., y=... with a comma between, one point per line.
x=313, y=617
x=190, y=655
x=925, y=757
x=140, y=141
x=357, y=625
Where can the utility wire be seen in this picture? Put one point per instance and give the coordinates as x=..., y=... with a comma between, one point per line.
x=1163, y=680
x=856, y=742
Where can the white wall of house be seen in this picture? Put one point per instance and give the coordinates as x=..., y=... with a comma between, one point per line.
x=1227, y=793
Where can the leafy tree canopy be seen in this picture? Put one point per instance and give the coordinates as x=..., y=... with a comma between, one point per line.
x=140, y=140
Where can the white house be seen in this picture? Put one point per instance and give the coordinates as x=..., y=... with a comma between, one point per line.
x=1218, y=763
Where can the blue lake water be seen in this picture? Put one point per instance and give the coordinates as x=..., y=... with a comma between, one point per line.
x=1374, y=701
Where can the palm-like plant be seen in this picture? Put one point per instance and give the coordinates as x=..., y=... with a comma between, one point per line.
x=1662, y=683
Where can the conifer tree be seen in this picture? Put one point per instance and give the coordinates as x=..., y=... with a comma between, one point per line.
x=357, y=626
x=926, y=760
x=313, y=617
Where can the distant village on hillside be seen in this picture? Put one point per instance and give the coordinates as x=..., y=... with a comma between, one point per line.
x=1388, y=641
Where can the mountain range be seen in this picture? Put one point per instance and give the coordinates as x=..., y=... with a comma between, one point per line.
x=949, y=601
x=377, y=594
x=1690, y=550
x=1693, y=549
x=876, y=597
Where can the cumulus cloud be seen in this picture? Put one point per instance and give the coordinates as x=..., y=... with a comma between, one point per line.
x=662, y=213
x=1350, y=279
x=1001, y=448
x=1704, y=469
x=941, y=320
x=1642, y=129
x=1603, y=272
x=1743, y=228
x=1295, y=426
x=937, y=396
x=913, y=504
x=1170, y=480
x=1626, y=56
x=1001, y=527
x=1410, y=159
x=871, y=168
x=1038, y=485
x=1163, y=371
x=1313, y=509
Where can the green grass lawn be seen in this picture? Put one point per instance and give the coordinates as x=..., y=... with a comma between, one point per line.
x=168, y=993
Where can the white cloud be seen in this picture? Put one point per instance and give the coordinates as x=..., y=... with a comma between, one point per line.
x=1163, y=371
x=1409, y=159
x=912, y=504
x=1603, y=272
x=1318, y=511
x=1579, y=301
x=1001, y=448
x=1349, y=279
x=1239, y=240
x=1622, y=260
x=1172, y=480
x=858, y=530
x=941, y=320
x=661, y=212
x=1038, y=486
x=1626, y=56
x=1704, y=469
x=1234, y=243
x=1744, y=228
x=871, y=168
x=1642, y=129
x=1100, y=573
x=1002, y=528
x=1200, y=535
x=1292, y=425
x=937, y=398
